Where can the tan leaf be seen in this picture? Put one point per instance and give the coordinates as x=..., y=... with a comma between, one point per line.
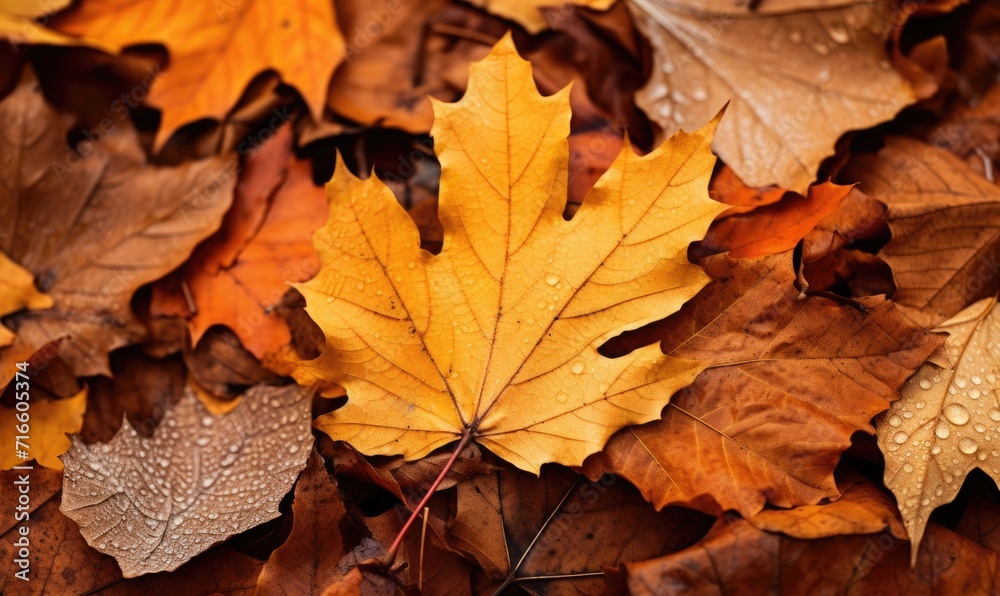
x=948, y=421
x=797, y=74
x=495, y=339
x=154, y=503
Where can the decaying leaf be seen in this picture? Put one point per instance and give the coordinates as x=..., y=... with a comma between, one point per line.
x=798, y=75
x=496, y=338
x=237, y=277
x=141, y=388
x=529, y=12
x=444, y=570
x=547, y=534
x=154, y=503
x=50, y=420
x=736, y=557
x=307, y=562
x=981, y=523
x=947, y=423
x=944, y=218
x=92, y=260
x=790, y=380
x=216, y=48
x=17, y=291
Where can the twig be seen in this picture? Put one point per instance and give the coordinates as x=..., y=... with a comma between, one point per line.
x=423, y=541
x=390, y=555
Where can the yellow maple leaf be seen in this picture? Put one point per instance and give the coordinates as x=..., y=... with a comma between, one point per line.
x=49, y=420
x=17, y=291
x=495, y=339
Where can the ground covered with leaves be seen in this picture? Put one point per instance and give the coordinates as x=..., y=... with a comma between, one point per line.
x=499, y=297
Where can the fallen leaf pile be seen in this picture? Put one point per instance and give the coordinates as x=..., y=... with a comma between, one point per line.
x=499, y=297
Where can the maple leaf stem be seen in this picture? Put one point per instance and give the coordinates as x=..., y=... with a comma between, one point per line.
x=390, y=555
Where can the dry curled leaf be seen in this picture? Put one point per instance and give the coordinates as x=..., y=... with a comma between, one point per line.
x=944, y=219
x=155, y=502
x=948, y=422
x=736, y=558
x=50, y=420
x=791, y=379
x=496, y=338
x=798, y=75
x=216, y=48
x=863, y=508
x=93, y=258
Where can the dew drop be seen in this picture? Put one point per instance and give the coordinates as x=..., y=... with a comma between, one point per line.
x=907, y=468
x=900, y=437
x=895, y=421
x=838, y=33
x=561, y=398
x=942, y=431
x=994, y=414
x=956, y=414
x=968, y=446
x=925, y=384
x=577, y=368
x=979, y=427
x=551, y=279
x=360, y=286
